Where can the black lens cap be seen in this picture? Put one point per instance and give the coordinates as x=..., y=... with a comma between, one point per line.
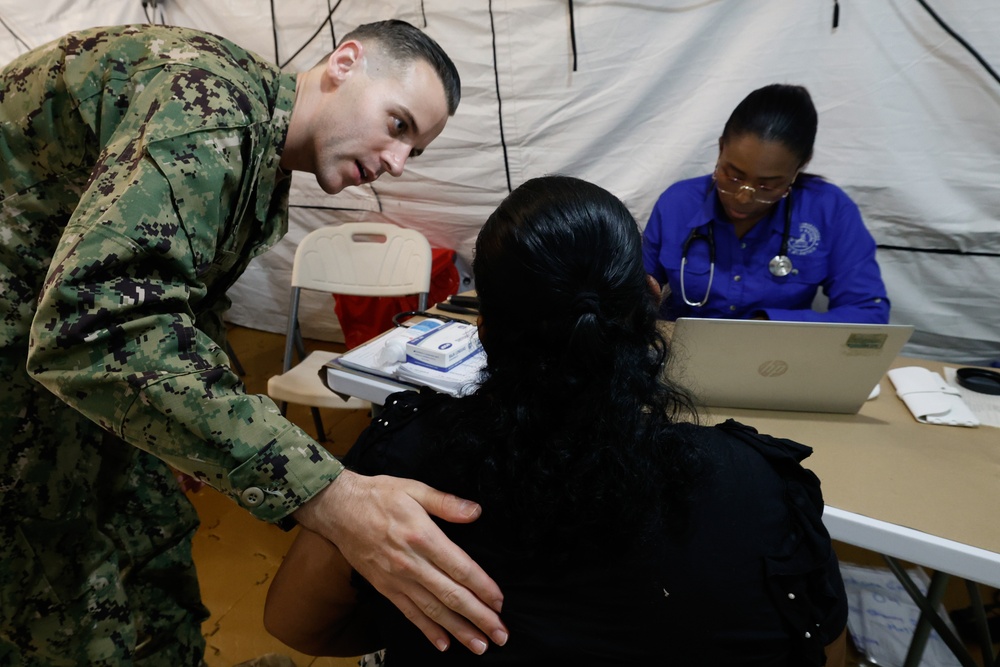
x=979, y=379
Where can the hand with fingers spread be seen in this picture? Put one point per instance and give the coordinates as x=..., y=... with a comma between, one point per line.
x=381, y=526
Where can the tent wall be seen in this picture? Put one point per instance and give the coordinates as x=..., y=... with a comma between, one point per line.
x=633, y=95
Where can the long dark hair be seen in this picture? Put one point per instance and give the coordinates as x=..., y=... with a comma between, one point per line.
x=571, y=430
x=778, y=112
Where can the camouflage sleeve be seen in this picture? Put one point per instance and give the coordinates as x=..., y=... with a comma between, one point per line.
x=114, y=334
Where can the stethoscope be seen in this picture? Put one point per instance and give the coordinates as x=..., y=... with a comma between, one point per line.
x=779, y=266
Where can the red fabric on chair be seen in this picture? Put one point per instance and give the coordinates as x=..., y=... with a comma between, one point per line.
x=364, y=317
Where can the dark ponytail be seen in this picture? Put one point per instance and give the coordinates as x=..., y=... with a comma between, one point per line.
x=571, y=430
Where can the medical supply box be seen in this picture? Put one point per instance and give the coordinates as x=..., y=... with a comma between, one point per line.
x=444, y=347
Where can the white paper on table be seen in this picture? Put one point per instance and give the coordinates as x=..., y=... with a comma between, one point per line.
x=385, y=356
x=986, y=407
x=460, y=380
x=385, y=353
x=929, y=398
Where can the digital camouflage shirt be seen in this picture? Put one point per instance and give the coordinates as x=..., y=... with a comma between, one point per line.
x=138, y=176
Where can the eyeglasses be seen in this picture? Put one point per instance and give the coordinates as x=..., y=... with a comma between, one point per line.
x=734, y=187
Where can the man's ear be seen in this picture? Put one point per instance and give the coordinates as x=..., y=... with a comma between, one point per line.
x=347, y=56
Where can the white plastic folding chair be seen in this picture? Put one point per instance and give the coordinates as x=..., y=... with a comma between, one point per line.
x=357, y=258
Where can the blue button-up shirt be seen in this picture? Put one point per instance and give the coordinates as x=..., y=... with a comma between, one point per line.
x=828, y=245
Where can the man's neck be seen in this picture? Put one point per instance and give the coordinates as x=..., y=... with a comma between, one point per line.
x=295, y=155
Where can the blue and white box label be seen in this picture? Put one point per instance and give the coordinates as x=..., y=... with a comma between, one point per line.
x=444, y=347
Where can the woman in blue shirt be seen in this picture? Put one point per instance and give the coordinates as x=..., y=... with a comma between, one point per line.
x=758, y=238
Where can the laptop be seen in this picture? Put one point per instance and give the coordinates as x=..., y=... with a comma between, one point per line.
x=772, y=365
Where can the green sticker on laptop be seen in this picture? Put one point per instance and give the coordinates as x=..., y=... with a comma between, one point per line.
x=866, y=341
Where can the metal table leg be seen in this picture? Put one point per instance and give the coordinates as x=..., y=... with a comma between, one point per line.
x=929, y=617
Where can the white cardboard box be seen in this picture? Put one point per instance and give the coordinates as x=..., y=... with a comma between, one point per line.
x=445, y=347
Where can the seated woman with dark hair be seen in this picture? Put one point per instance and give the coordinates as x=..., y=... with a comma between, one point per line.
x=618, y=531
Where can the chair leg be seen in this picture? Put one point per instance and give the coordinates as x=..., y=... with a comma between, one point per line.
x=318, y=421
x=237, y=366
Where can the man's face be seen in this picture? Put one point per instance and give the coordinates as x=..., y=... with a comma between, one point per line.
x=378, y=120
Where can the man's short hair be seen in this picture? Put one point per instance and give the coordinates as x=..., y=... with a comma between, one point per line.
x=403, y=43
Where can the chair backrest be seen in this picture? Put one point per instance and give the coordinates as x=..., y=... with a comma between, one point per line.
x=364, y=259
x=357, y=258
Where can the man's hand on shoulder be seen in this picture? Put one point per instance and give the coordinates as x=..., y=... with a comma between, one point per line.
x=382, y=527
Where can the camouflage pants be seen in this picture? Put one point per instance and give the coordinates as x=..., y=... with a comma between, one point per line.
x=95, y=542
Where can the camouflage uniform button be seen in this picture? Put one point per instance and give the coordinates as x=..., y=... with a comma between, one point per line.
x=252, y=496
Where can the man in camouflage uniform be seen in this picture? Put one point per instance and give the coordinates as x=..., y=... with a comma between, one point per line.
x=141, y=168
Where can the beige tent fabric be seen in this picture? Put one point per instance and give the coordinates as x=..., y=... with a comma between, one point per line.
x=907, y=122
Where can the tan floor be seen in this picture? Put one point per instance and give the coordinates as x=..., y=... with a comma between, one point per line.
x=237, y=555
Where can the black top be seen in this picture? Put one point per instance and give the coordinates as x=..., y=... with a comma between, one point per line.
x=753, y=581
